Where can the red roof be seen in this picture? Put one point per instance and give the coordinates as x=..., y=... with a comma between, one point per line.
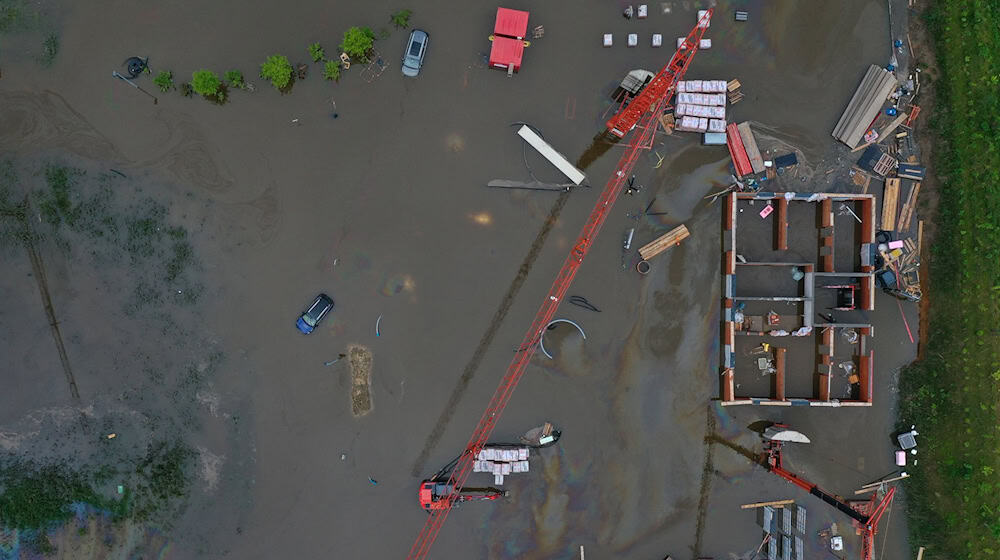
x=511, y=23
x=736, y=150
x=506, y=51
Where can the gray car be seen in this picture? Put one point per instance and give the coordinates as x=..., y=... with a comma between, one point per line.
x=416, y=48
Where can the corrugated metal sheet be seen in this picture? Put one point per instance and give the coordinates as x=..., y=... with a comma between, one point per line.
x=736, y=150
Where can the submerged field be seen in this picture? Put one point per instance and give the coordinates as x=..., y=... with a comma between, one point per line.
x=952, y=394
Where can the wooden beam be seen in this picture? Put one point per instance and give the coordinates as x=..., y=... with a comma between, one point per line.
x=920, y=553
x=775, y=503
x=779, y=377
x=781, y=236
x=873, y=486
x=664, y=242
x=920, y=235
x=892, y=126
x=889, y=200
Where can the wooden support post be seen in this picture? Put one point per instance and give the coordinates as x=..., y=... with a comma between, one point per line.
x=775, y=503
x=920, y=553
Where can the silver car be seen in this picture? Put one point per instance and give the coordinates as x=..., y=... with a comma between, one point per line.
x=416, y=48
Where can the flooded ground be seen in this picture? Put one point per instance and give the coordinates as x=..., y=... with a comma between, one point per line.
x=375, y=194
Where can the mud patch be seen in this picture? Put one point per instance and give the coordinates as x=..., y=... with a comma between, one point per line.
x=360, y=359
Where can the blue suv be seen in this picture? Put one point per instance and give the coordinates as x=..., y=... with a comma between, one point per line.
x=312, y=316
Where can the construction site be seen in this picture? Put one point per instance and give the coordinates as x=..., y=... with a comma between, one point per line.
x=641, y=288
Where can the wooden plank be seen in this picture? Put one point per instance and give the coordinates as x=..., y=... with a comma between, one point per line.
x=750, y=145
x=910, y=208
x=920, y=553
x=781, y=240
x=920, y=235
x=900, y=117
x=775, y=503
x=664, y=242
x=889, y=200
x=906, y=207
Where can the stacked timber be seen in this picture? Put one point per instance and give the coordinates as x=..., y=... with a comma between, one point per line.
x=664, y=242
x=865, y=105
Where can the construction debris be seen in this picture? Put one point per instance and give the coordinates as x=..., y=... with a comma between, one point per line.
x=775, y=503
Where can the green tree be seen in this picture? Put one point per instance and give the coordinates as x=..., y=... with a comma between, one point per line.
x=235, y=79
x=207, y=83
x=164, y=80
x=331, y=70
x=316, y=52
x=401, y=19
x=277, y=69
x=358, y=42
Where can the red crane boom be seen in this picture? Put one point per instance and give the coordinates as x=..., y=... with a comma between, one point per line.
x=643, y=111
x=867, y=516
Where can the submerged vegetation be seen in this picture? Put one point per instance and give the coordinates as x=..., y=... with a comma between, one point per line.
x=953, y=393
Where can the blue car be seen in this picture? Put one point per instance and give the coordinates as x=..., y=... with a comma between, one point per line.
x=416, y=48
x=312, y=316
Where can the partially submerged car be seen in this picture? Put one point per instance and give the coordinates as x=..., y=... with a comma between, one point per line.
x=315, y=313
x=416, y=48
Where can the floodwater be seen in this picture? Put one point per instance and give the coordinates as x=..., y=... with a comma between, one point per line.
x=385, y=208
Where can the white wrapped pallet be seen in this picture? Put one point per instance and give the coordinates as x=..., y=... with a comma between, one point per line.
x=633, y=39
x=702, y=124
x=717, y=112
x=681, y=86
x=497, y=468
x=608, y=39
x=680, y=110
x=719, y=100
x=505, y=468
x=695, y=86
x=722, y=86
x=689, y=124
x=524, y=466
x=701, y=14
x=680, y=43
x=716, y=125
x=522, y=453
x=657, y=40
x=498, y=479
x=705, y=44
x=482, y=454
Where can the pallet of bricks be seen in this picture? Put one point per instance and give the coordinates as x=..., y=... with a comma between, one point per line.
x=701, y=105
x=501, y=462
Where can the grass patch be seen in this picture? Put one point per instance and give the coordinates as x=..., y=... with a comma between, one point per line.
x=50, y=50
x=952, y=395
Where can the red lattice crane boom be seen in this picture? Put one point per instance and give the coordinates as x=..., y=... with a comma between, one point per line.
x=641, y=113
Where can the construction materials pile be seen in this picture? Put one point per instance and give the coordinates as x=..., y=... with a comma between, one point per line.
x=701, y=105
x=865, y=105
x=501, y=462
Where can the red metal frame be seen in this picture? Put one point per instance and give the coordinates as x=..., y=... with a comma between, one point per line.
x=665, y=82
x=867, y=515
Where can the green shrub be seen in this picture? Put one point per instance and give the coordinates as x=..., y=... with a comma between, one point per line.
x=331, y=70
x=235, y=79
x=164, y=80
x=207, y=83
x=401, y=19
x=50, y=48
x=316, y=52
x=277, y=69
x=358, y=42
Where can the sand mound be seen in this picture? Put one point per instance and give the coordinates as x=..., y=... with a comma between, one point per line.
x=360, y=358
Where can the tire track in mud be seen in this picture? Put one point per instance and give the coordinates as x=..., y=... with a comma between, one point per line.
x=487, y=339
x=599, y=146
x=38, y=267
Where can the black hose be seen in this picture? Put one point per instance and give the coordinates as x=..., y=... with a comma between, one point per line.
x=581, y=301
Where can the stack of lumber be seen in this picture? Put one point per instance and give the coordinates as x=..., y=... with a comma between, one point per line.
x=906, y=214
x=889, y=202
x=664, y=242
x=865, y=105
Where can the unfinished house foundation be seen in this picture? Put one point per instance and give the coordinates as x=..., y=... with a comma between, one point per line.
x=797, y=288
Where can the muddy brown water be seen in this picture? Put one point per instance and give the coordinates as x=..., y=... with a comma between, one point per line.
x=385, y=208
